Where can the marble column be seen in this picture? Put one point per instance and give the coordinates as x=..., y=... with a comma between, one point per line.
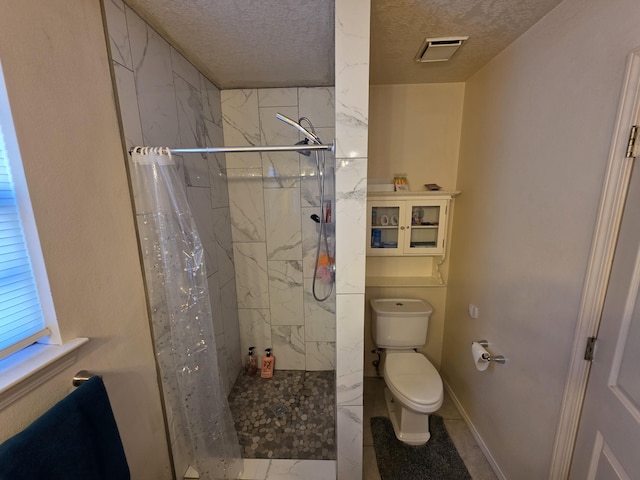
x=352, y=103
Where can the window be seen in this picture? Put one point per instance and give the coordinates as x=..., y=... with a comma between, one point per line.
x=26, y=308
x=21, y=319
x=30, y=343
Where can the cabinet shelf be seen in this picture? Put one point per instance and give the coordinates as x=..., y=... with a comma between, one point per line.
x=403, y=282
x=411, y=195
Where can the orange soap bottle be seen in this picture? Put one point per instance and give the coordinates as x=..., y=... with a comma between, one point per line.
x=268, y=362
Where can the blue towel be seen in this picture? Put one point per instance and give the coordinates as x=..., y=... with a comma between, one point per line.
x=77, y=439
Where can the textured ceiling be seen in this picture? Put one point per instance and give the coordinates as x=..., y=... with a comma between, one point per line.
x=280, y=43
x=249, y=43
x=398, y=28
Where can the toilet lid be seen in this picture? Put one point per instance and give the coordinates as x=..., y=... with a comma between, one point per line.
x=413, y=377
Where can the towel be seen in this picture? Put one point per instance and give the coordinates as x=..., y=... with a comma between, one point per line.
x=77, y=439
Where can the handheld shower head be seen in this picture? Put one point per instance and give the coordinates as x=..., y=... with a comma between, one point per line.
x=307, y=133
x=312, y=140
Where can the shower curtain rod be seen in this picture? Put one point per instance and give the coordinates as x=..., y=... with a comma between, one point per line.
x=253, y=148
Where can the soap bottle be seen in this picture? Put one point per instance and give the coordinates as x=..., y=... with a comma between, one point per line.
x=251, y=367
x=327, y=213
x=267, y=364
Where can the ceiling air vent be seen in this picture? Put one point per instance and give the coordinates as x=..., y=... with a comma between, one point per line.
x=438, y=49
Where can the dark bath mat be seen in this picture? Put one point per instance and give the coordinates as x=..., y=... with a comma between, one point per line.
x=438, y=459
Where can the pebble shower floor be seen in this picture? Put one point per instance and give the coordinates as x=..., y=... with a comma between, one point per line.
x=291, y=415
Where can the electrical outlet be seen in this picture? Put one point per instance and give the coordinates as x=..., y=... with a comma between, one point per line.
x=473, y=311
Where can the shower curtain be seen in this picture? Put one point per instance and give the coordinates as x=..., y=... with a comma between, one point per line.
x=199, y=417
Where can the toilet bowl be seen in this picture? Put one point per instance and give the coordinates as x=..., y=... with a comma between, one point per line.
x=414, y=387
x=414, y=390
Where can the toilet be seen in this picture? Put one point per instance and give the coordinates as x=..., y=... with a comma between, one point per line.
x=414, y=387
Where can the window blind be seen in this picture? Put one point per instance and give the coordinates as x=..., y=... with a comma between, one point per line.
x=21, y=318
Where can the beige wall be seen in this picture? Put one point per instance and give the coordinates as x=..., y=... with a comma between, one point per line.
x=57, y=73
x=416, y=129
x=537, y=127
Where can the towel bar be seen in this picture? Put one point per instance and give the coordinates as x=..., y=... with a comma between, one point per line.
x=82, y=376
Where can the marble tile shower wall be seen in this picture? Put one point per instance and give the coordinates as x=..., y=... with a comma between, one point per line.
x=165, y=101
x=272, y=197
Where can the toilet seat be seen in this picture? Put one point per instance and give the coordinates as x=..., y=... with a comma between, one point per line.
x=414, y=381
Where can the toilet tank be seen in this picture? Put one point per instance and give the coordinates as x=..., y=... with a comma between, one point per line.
x=399, y=323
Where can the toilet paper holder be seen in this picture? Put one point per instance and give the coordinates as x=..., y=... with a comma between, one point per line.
x=488, y=357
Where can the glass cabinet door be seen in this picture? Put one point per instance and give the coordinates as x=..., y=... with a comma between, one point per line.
x=384, y=228
x=424, y=222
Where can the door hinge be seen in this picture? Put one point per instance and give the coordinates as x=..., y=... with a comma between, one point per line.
x=591, y=345
x=633, y=141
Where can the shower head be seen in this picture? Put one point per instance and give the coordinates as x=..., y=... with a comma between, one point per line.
x=307, y=133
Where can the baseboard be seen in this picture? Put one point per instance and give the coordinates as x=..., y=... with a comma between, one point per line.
x=474, y=432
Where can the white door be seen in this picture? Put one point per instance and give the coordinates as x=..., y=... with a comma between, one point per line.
x=608, y=443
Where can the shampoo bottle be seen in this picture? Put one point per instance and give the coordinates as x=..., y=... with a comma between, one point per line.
x=251, y=367
x=268, y=362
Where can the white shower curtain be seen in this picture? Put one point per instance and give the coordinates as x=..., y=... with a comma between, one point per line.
x=176, y=280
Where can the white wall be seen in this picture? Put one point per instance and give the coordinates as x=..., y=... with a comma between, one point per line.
x=536, y=132
x=55, y=62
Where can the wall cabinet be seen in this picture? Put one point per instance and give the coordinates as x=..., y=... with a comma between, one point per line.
x=407, y=224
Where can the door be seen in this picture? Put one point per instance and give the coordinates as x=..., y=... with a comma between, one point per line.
x=608, y=442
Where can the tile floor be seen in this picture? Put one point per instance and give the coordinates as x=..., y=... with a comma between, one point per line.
x=374, y=406
x=289, y=416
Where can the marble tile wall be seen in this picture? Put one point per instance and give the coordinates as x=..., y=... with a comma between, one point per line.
x=352, y=103
x=271, y=198
x=165, y=101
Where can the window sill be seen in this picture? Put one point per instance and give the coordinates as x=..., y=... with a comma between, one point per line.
x=32, y=366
